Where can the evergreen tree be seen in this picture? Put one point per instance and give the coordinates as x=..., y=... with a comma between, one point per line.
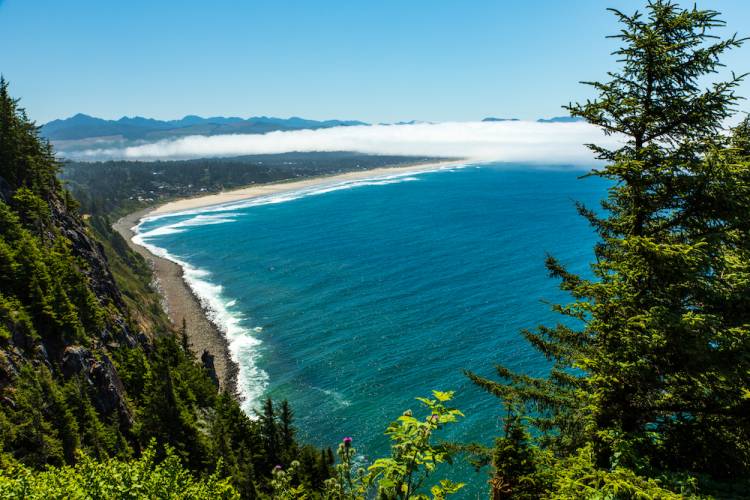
x=167, y=416
x=514, y=462
x=96, y=441
x=270, y=432
x=286, y=429
x=25, y=160
x=656, y=379
x=235, y=440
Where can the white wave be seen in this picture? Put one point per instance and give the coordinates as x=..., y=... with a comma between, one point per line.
x=516, y=141
x=180, y=227
x=285, y=196
x=337, y=397
x=243, y=346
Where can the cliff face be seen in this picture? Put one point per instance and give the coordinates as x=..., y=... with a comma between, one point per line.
x=63, y=320
x=85, y=355
x=91, y=251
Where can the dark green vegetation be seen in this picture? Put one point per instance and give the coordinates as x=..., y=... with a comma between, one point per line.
x=121, y=186
x=87, y=383
x=651, y=394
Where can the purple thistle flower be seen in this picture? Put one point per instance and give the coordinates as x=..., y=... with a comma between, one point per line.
x=347, y=441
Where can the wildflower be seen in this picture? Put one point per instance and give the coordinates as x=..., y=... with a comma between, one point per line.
x=347, y=441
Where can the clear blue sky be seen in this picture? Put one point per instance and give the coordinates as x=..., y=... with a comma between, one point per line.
x=383, y=60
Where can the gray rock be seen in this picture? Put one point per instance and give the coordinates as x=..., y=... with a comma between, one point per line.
x=208, y=363
x=101, y=375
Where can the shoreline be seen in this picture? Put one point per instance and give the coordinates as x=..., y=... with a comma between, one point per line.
x=259, y=190
x=179, y=300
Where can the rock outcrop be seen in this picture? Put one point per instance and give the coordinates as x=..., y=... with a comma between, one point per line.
x=101, y=375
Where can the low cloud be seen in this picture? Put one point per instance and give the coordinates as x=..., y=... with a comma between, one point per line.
x=528, y=142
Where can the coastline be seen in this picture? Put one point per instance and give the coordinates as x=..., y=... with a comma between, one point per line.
x=180, y=303
x=179, y=300
x=258, y=190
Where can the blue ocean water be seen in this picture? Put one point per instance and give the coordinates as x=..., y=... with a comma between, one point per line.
x=349, y=300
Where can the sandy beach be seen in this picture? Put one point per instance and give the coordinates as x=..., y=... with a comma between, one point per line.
x=179, y=300
x=258, y=190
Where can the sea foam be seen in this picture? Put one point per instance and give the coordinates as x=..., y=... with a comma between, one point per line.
x=251, y=380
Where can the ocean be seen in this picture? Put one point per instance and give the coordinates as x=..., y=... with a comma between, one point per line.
x=351, y=299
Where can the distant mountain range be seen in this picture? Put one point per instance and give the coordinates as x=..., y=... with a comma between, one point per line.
x=82, y=126
x=561, y=119
x=84, y=131
x=554, y=119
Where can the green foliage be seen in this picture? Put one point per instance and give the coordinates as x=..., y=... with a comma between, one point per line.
x=578, y=477
x=133, y=276
x=234, y=439
x=653, y=383
x=146, y=477
x=33, y=211
x=516, y=463
x=402, y=475
x=25, y=160
x=413, y=456
x=45, y=282
x=14, y=320
x=34, y=438
x=172, y=393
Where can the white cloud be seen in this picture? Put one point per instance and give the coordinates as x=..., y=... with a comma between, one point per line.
x=532, y=142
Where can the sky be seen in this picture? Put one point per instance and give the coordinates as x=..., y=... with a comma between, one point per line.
x=377, y=61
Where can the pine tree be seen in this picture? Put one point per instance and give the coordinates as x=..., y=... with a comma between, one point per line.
x=235, y=440
x=286, y=428
x=92, y=431
x=167, y=414
x=25, y=160
x=270, y=432
x=656, y=379
x=513, y=461
x=37, y=441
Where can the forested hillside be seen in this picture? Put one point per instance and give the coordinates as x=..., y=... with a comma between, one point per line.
x=81, y=380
